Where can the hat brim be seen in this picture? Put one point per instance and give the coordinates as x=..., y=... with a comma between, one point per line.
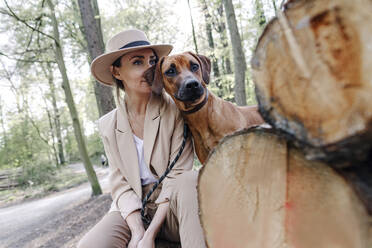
x=100, y=66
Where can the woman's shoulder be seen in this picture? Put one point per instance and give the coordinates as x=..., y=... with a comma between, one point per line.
x=168, y=106
x=107, y=120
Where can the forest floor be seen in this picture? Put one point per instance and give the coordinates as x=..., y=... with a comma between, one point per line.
x=57, y=219
x=67, y=177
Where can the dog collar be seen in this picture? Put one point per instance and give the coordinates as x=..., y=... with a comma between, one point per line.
x=197, y=107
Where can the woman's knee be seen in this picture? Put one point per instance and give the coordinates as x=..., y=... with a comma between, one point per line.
x=110, y=232
x=185, y=184
x=101, y=241
x=188, y=178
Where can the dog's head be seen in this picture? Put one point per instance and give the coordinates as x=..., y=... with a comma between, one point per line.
x=183, y=76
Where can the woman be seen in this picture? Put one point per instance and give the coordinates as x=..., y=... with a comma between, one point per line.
x=141, y=136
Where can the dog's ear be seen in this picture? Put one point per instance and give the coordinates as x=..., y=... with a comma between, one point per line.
x=205, y=65
x=154, y=77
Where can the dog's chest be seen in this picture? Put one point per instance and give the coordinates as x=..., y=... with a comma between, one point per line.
x=207, y=137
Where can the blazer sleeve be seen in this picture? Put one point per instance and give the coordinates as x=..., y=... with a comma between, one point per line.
x=184, y=163
x=123, y=196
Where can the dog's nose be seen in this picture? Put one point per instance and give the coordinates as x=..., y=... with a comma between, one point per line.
x=192, y=84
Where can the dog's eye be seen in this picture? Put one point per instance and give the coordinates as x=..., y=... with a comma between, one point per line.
x=153, y=62
x=171, y=72
x=194, y=67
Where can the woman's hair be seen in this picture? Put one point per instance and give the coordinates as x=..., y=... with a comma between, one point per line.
x=119, y=83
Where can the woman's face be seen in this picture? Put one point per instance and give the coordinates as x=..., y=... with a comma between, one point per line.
x=133, y=65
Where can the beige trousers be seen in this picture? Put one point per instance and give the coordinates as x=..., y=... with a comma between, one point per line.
x=181, y=224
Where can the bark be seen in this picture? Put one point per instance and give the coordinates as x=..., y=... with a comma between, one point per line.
x=313, y=77
x=266, y=194
x=55, y=153
x=238, y=54
x=56, y=115
x=193, y=28
x=97, y=17
x=221, y=30
x=92, y=177
x=274, y=5
x=208, y=28
x=93, y=35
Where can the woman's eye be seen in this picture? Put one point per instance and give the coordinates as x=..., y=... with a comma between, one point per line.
x=153, y=62
x=194, y=67
x=170, y=72
x=137, y=62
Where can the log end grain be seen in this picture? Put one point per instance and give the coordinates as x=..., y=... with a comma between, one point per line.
x=257, y=190
x=313, y=80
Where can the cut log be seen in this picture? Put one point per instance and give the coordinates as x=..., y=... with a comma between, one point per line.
x=313, y=77
x=258, y=191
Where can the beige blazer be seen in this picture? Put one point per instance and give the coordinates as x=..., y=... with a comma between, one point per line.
x=163, y=135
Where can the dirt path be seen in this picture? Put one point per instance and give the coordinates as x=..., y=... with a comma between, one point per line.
x=58, y=220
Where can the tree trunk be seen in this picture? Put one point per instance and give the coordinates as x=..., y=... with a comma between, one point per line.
x=5, y=136
x=93, y=36
x=274, y=5
x=56, y=115
x=221, y=29
x=97, y=17
x=92, y=177
x=193, y=28
x=208, y=29
x=313, y=82
x=55, y=153
x=258, y=191
x=238, y=53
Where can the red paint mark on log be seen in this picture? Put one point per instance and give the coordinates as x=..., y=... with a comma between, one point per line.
x=288, y=205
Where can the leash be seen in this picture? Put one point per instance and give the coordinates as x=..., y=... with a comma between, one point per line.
x=169, y=168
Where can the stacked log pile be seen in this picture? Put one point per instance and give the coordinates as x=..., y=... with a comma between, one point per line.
x=307, y=181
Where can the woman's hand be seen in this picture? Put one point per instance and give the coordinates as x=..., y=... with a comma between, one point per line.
x=136, y=228
x=148, y=241
x=135, y=241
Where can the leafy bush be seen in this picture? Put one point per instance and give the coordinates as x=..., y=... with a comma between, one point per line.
x=37, y=173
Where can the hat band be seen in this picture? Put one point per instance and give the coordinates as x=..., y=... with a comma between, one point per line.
x=136, y=43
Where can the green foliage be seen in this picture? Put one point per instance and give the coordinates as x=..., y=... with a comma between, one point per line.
x=23, y=145
x=250, y=91
x=95, y=146
x=149, y=16
x=226, y=89
x=36, y=173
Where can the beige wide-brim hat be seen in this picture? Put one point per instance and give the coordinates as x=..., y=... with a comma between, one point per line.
x=117, y=46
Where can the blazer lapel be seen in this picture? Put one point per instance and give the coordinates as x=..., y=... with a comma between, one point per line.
x=127, y=150
x=151, y=127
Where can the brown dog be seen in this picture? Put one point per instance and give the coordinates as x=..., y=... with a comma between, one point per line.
x=185, y=77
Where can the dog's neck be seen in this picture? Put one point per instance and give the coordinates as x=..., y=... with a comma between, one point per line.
x=198, y=106
x=199, y=122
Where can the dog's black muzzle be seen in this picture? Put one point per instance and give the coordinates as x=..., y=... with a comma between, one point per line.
x=190, y=90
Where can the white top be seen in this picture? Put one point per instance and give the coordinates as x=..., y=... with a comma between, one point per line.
x=146, y=176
